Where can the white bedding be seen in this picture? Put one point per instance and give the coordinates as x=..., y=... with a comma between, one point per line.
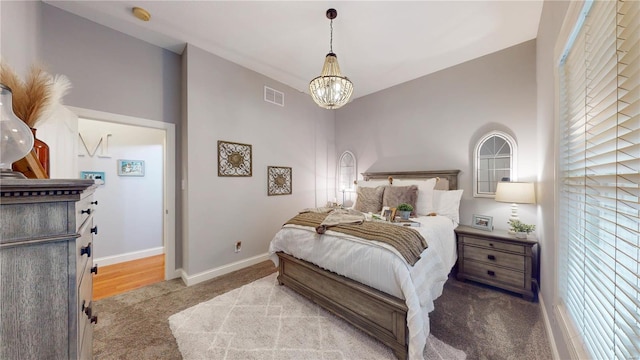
x=380, y=266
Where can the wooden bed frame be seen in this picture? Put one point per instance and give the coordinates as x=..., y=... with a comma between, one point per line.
x=378, y=314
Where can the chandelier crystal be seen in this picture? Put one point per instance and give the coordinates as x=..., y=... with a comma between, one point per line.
x=331, y=90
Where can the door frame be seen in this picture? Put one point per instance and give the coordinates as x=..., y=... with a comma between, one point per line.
x=169, y=187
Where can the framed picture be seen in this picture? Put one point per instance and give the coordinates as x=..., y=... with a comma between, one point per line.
x=130, y=167
x=482, y=222
x=386, y=213
x=93, y=175
x=278, y=180
x=234, y=159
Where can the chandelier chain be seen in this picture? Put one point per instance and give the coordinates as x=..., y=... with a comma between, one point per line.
x=331, y=38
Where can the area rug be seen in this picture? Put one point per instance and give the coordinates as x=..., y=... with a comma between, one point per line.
x=263, y=320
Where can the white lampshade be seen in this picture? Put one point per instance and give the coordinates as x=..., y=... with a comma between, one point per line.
x=516, y=192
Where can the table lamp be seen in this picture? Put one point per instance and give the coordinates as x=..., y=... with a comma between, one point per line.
x=515, y=193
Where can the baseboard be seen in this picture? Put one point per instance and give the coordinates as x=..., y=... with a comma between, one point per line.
x=135, y=255
x=547, y=326
x=570, y=335
x=225, y=269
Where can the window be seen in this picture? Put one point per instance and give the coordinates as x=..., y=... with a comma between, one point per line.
x=599, y=165
x=495, y=155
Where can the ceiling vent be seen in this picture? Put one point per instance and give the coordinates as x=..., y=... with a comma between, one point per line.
x=273, y=96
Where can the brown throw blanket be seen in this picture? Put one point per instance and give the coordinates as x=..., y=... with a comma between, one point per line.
x=409, y=243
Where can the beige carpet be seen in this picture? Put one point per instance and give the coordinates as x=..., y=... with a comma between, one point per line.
x=263, y=320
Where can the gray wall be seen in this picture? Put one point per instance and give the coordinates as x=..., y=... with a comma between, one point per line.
x=434, y=122
x=224, y=101
x=552, y=17
x=20, y=34
x=111, y=71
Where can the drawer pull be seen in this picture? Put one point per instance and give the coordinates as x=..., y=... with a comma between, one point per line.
x=94, y=319
x=86, y=250
x=88, y=211
x=95, y=229
x=491, y=273
x=94, y=269
x=94, y=202
x=88, y=311
x=491, y=257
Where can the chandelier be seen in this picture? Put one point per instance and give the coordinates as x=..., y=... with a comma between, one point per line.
x=331, y=90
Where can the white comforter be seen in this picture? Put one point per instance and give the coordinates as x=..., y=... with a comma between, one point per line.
x=380, y=266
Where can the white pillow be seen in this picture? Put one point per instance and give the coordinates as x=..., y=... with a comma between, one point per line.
x=447, y=203
x=424, y=204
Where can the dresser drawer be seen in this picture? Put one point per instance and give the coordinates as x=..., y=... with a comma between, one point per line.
x=494, y=273
x=84, y=248
x=494, y=257
x=489, y=243
x=84, y=208
x=84, y=304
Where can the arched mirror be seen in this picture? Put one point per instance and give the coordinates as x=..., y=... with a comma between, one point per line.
x=495, y=161
x=347, y=173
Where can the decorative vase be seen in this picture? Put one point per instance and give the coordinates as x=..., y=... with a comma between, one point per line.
x=404, y=214
x=16, y=140
x=42, y=152
x=521, y=235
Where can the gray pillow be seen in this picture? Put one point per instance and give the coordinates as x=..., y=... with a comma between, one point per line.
x=396, y=195
x=369, y=199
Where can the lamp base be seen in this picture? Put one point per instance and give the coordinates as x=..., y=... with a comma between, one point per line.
x=10, y=174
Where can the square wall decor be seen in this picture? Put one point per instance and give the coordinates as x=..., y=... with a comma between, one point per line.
x=278, y=180
x=130, y=167
x=234, y=159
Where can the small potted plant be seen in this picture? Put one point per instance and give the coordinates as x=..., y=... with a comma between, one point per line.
x=404, y=210
x=521, y=229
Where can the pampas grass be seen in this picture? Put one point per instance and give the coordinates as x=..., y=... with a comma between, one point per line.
x=34, y=99
x=60, y=86
x=9, y=78
x=38, y=90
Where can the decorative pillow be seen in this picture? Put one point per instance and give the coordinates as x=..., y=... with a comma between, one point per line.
x=396, y=195
x=447, y=203
x=373, y=183
x=369, y=199
x=424, y=204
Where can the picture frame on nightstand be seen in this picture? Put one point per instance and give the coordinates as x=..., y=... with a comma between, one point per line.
x=482, y=222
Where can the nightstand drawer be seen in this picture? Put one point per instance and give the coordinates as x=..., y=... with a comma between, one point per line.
x=494, y=257
x=494, y=244
x=494, y=273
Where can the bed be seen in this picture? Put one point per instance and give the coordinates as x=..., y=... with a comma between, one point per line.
x=369, y=285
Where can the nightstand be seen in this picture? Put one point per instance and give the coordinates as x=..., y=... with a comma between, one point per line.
x=497, y=258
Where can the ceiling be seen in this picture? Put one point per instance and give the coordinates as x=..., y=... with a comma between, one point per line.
x=379, y=43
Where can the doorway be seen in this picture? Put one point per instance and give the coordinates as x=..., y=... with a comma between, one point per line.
x=138, y=206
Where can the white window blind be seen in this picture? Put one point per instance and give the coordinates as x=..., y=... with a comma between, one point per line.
x=599, y=159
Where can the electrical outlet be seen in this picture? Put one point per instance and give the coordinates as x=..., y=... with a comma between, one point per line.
x=238, y=246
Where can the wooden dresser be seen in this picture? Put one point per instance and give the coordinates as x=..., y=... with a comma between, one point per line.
x=46, y=265
x=497, y=258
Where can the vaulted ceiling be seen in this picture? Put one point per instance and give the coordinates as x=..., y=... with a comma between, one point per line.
x=379, y=43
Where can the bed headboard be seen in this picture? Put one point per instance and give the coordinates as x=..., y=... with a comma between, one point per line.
x=450, y=175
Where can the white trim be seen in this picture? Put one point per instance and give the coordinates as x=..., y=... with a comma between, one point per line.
x=547, y=326
x=570, y=335
x=169, y=223
x=225, y=269
x=135, y=255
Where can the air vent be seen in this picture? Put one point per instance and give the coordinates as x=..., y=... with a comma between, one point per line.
x=273, y=96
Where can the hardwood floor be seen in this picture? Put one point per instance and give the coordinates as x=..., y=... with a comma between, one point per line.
x=119, y=278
